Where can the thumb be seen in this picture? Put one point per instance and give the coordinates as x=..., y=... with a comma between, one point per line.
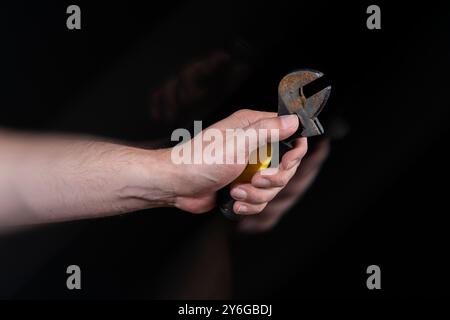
x=285, y=126
x=271, y=130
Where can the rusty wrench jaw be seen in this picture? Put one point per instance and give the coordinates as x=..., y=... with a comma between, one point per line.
x=305, y=93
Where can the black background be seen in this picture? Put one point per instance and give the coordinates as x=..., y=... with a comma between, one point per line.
x=380, y=198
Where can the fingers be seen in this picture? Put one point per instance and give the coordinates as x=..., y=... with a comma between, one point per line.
x=263, y=131
x=294, y=156
x=252, y=198
x=248, y=117
x=243, y=118
x=288, y=196
x=247, y=208
x=247, y=193
x=274, y=177
x=286, y=126
x=252, y=122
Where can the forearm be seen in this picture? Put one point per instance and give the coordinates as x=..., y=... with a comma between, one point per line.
x=48, y=178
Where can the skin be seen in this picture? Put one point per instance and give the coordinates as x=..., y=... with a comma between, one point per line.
x=291, y=194
x=56, y=178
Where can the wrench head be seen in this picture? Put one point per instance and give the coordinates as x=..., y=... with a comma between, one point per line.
x=291, y=99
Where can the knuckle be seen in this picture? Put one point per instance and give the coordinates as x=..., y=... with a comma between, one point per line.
x=257, y=208
x=303, y=150
x=281, y=180
x=260, y=197
x=244, y=116
x=242, y=112
x=279, y=123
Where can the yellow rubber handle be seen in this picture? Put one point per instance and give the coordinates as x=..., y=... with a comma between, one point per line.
x=261, y=164
x=263, y=160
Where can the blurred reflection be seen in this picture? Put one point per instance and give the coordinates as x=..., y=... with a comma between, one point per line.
x=199, y=88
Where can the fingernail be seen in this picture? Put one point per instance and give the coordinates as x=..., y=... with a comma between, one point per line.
x=238, y=194
x=289, y=121
x=242, y=208
x=262, y=182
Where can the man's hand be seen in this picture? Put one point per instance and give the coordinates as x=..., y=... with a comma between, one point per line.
x=54, y=178
x=196, y=190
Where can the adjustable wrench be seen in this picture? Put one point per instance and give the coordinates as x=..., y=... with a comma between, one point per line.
x=304, y=93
